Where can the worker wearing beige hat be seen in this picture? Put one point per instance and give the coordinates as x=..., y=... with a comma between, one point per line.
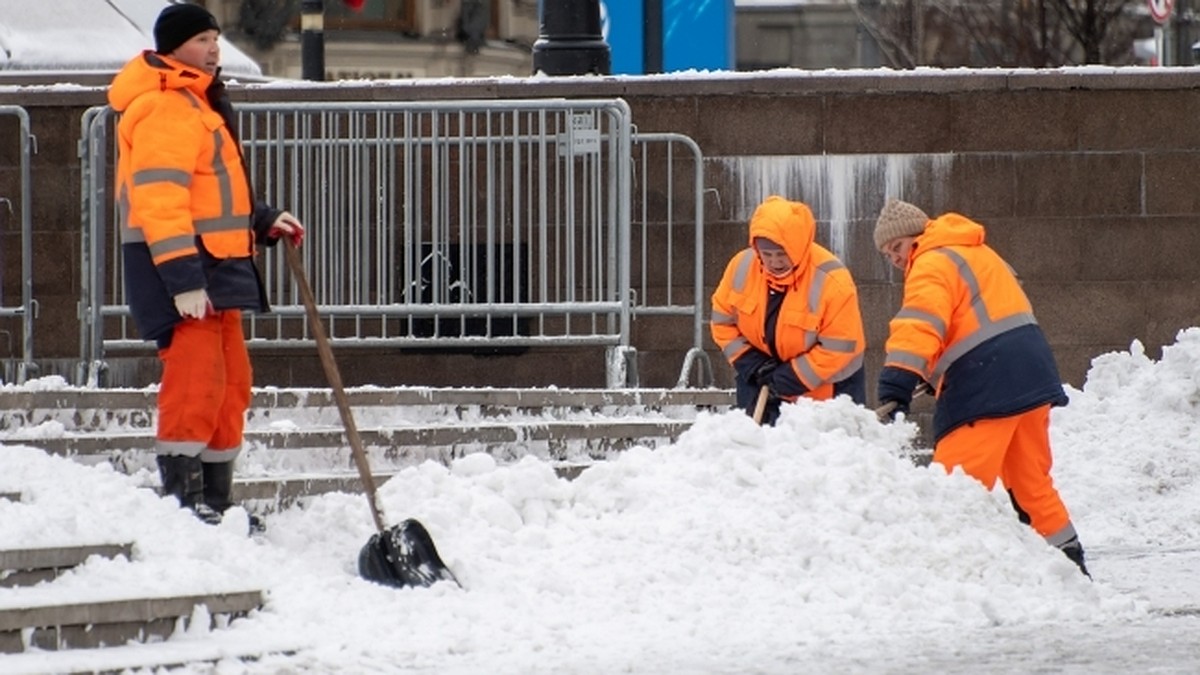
x=967, y=329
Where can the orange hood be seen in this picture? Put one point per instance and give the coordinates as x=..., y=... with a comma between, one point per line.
x=789, y=224
x=151, y=71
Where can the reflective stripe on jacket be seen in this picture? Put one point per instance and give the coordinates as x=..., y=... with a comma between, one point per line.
x=819, y=332
x=968, y=329
x=182, y=192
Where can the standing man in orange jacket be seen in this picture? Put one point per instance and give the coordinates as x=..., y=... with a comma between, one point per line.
x=786, y=314
x=967, y=329
x=189, y=224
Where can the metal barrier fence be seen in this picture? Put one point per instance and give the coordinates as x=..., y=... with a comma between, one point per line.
x=475, y=224
x=673, y=294
x=27, y=309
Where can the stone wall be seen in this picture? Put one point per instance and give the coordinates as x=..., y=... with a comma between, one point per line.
x=1085, y=179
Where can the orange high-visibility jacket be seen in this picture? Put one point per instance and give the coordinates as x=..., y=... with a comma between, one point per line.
x=968, y=329
x=819, y=333
x=183, y=194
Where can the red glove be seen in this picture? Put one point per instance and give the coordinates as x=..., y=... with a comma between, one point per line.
x=286, y=225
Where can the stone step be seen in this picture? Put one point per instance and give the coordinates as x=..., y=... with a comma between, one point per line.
x=207, y=654
x=280, y=492
x=439, y=424
x=265, y=494
x=277, y=493
x=25, y=567
x=144, y=399
x=84, y=409
x=594, y=435
x=116, y=622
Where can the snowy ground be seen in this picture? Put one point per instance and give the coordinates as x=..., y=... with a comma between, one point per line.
x=814, y=546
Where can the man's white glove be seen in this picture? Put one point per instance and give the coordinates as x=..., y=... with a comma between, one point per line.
x=192, y=304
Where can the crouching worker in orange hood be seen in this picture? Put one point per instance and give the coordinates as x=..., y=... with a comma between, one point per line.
x=968, y=330
x=786, y=314
x=189, y=226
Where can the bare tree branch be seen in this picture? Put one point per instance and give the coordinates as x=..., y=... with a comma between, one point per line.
x=1015, y=33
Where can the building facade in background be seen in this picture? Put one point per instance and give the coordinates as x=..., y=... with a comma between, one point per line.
x=405, y=39
x=386, y=39
x=816, y=34
x=389, y=39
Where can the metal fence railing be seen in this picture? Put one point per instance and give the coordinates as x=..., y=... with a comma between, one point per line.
x=484, y=224
x=661, y=161
x=26, y=309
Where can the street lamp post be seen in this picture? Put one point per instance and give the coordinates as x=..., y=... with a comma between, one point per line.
x=312, y=40
x=570, y=41
x=652, y=45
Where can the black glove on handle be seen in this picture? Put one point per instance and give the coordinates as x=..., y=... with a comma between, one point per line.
x=763, y=374
x=895, y=391
x=747, y=366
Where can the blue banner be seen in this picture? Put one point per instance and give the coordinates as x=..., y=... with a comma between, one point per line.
x=621, y=23
x=697, y=34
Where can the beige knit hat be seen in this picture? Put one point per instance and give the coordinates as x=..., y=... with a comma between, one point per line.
x=898, y=219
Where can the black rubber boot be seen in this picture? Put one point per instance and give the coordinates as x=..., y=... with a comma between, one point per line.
x=1074, y=550
x=183, y=478
x=218, y=491
x=218, y=485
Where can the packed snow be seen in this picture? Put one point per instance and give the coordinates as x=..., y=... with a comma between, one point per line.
x=813, y=546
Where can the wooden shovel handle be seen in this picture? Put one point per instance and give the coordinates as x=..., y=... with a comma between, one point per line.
x=335, y=379
x=886, y=409
x=761, y=404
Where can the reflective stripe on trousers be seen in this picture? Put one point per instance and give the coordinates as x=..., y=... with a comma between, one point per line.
x=205, y=389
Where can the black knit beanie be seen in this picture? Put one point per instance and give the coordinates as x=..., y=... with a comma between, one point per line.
x=179, y=23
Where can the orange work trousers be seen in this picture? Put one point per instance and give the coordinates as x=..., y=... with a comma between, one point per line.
x=205, y=388
x=1016, y=450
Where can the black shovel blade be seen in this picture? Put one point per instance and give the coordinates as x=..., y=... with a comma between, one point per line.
x=403, y=555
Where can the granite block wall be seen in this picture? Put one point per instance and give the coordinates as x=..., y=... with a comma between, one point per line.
x=1086, y=180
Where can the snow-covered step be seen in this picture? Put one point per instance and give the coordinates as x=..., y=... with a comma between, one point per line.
x=115, y=622
x=593, y=435
x=80, y=409
x=25, y=567
x=280, y=492
x=204, y=654
x=294, y=433
x=283, y=491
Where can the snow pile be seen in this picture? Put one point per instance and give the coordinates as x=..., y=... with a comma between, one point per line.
x=1126, y=448
x=813, y=543
x=738, y=542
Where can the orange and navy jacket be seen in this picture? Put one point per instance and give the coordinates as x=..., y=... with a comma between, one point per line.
x=968, y=329
x=818, y=332
x=188, y=217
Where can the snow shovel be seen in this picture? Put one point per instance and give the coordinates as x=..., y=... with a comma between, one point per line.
x=401, y=555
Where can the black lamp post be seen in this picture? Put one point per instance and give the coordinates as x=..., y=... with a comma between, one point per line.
x=652, y=45
x=312, y=40
x=570, y=41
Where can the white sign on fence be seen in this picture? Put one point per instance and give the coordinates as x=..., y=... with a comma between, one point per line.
x=582, y=137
